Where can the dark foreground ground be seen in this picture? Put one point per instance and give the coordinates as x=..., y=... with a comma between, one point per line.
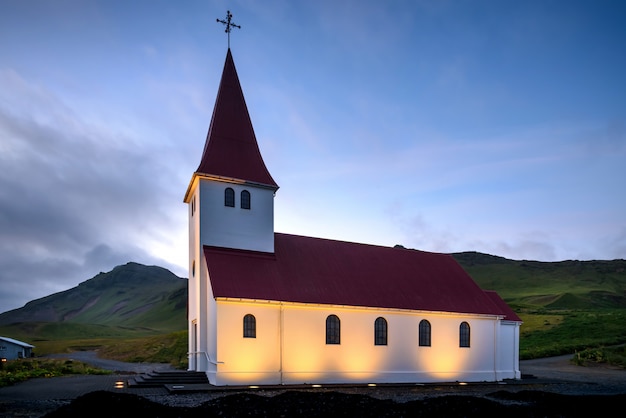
x=335, y=404
x=552, y=387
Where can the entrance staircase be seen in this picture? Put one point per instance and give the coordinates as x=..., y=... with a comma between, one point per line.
x=168, y=379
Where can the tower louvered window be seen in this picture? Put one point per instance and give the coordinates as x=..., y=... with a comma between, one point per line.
x=245, y=199
x=229, y=197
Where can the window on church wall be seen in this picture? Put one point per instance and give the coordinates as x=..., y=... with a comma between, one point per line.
x=464, y=335
x=229, y=197
x=424, y=333
x=249, y=326
x=333, y=330
x=380, y=331
x=245, y=199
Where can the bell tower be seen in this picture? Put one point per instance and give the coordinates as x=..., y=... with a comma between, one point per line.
x=231, y=194
x=230, y=200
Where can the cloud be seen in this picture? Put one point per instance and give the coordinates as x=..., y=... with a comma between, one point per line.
x=75, y=196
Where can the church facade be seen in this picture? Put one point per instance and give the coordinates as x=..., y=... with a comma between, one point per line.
x=267, y=308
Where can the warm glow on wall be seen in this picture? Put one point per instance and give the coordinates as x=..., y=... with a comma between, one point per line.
x=290, y=346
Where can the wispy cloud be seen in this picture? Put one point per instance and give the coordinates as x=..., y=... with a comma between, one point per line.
x=75, y=198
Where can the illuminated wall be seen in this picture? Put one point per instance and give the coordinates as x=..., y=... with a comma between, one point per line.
x=248, y=360
x=299, y=354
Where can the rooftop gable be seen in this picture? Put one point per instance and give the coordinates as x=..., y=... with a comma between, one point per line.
x=322, y=271
x=509, y=314
x=16, y=342
x=231, y=148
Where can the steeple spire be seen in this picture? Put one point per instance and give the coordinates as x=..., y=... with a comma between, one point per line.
x=231, y=150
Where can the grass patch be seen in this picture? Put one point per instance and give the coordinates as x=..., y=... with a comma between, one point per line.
x=577, y=331
x=15, y=371
x=539, y=322
x=615, y=356
x=170, y=348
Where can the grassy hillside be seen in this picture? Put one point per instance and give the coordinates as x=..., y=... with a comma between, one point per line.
x=557, y=285
x=131, y=301
x=566, y=306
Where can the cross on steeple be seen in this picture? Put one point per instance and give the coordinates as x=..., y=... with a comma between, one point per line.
x=228, y=24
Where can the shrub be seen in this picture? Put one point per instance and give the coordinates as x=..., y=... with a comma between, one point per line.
x=23, y=369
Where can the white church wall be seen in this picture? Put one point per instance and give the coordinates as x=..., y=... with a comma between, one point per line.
x=307, y=359
x=234, y=227
x=247, y=361
x=201, y=303
x=210, y=361
x=202, y=323
x=508, y=353
x=193, y=284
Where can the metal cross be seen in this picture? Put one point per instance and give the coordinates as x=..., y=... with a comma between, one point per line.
x=228, y=24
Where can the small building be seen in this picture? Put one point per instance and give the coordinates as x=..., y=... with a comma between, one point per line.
x=11, y=349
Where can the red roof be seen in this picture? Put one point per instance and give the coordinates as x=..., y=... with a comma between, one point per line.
x=231, y=149
x=509, y=314
x=322, y=271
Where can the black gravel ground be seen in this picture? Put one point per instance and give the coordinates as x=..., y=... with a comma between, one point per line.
x=335, y=404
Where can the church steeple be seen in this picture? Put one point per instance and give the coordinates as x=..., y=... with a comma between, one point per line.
x=231, y=193
x=231, y=149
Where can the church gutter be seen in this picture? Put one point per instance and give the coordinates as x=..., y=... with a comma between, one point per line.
x=357, y=307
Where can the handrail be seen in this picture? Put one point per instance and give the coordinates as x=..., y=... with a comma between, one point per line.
x=207, y=356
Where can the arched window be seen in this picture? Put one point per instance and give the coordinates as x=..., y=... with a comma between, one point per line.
x=229, y=197
x=464, y=335
x=333, y=330
x=380, y=331
x=424, y=333
x=245, y=199
x=249, y=326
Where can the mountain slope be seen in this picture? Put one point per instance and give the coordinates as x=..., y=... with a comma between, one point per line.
x=557, y=285
x=131, y=295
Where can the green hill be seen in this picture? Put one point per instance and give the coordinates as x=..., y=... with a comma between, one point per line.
x=549, y=285
x=131, y=300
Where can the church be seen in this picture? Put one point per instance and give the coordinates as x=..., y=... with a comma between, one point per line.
x=269, y=308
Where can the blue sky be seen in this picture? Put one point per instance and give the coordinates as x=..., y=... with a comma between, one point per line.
x=492, y=126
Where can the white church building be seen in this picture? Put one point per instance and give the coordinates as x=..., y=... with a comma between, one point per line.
x=268, y=308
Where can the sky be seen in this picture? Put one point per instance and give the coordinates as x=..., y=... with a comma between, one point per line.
x=447, y=126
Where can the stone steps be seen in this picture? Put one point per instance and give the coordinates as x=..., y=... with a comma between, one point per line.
x=157, y=379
